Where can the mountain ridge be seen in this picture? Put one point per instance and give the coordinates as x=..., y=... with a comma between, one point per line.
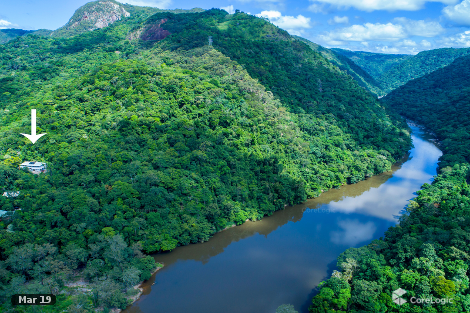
x=347, y=65
x=373, y=63
x=11, y=33
x=419, y=65
x=163, y=140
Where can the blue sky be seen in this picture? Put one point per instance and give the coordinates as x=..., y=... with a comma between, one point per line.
x=388, y=26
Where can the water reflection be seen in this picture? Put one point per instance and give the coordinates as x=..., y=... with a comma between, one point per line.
x=353, y=232
x=260, y=265
x=387, y=200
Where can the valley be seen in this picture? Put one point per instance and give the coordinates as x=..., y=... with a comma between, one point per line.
x=248, y=268
x=266, y=172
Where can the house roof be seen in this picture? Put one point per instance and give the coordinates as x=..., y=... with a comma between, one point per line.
x=32, y=164
x=11, y=194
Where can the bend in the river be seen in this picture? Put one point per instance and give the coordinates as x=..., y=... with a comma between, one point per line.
x=260, y=265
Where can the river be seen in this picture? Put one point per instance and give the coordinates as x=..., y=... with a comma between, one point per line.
x=255, y=267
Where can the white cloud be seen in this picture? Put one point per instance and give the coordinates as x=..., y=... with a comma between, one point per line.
x=318, y=8
x=461, y=40
x=161, y=4
x=5, y=24
x=229, y=9
x=270, y=14
x=398, y=49
x=368, y=32
x=387, y=49
x=339, y=20
x=401, y=29
x=409, y=43
x=425, y=43
x=373, y=5
x=459, y=13
x=336, y=42
x=294, y=25
x=353, y=232
x=420, y=28
x=406, y=43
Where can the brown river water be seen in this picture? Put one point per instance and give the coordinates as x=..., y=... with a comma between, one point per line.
x=281, y=259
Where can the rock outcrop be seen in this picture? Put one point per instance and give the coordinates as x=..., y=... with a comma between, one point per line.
x=91, y=16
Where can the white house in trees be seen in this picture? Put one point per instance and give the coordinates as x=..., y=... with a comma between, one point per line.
x=11, y=194
x=34, y=167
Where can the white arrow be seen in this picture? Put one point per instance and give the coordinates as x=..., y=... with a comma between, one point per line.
x=33, y=137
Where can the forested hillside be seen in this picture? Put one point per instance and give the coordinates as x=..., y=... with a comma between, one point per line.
x=421, y=64
x=427, y=254
x=271, y=55
x=376, y=64
x=11, y=33
x=441, y=102
x=391, y=71
x=156, y=139
x=345, y=64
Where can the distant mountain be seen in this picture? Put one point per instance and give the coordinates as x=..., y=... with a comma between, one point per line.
x=440, y=101
x=8, y=34
x=345, y=64
x=416, y=66
x=393, y=70
x=376, y=64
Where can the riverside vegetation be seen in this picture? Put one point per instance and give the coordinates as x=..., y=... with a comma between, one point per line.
x=155, y=140
x=427, y=253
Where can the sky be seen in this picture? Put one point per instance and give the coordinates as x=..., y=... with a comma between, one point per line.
x=384, y=26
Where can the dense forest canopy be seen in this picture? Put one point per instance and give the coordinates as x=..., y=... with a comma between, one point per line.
x=440, y=101
x=421, y=64
x=376, y=64
x=156, y=139
x=391, y=71
x=427, y=254
x=11, y=33
x=347, y=65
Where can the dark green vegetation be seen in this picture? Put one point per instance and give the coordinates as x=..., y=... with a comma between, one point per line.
x=347, y=65
x=421, y=64
x=155, y=140
x=394, y=70
x=376, y=64
x=10, y=34
x=427, y=254
x=441, y=102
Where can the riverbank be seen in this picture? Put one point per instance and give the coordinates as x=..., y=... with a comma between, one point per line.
x=140, y=288
x=82, y=287
x=439, y=208
x=256, y=267
x=426, y=130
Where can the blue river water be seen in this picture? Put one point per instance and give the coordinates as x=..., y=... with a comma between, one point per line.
x=255, y=267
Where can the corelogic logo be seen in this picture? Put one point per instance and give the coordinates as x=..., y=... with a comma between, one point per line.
x=397, y=296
